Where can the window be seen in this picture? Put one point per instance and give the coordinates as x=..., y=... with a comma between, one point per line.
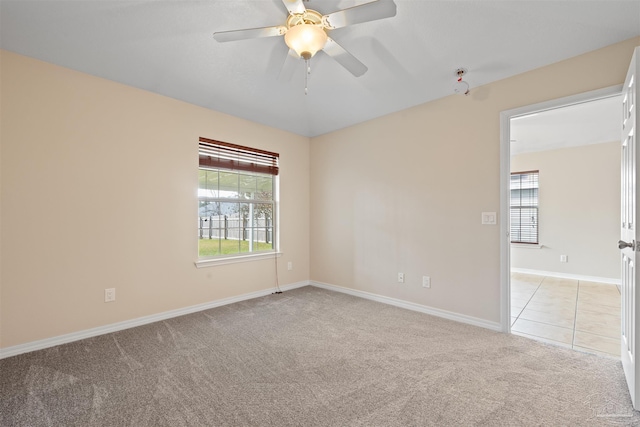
x=236, y=207
x=524, y=207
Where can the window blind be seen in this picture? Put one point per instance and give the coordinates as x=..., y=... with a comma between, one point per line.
x=524, y=207
x=218, y=154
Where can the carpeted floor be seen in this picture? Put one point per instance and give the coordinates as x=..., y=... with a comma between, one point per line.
x=311, y=357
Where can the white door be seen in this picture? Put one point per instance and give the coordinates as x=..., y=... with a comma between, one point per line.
x=628, y=243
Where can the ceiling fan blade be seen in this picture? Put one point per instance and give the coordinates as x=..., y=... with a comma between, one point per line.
x=371, y=11
x=250, y=33
x=288, y=66
x=344, y=58
x=294, y=6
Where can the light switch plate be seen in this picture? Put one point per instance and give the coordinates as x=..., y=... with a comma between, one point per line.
x=489, y=218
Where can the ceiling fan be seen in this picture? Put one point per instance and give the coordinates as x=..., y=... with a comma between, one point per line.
x=305, y=30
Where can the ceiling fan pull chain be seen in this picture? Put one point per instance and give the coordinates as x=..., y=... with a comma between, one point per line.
x=306, y=76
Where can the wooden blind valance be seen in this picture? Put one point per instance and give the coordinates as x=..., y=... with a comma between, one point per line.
x=218, y=154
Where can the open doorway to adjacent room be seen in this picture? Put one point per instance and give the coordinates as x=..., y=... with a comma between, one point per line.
x=564, y=205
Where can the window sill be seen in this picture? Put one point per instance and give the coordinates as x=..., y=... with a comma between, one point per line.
x=526, y=245
x=212, y=262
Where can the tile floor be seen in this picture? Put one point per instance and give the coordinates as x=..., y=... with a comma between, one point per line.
x=581, y=315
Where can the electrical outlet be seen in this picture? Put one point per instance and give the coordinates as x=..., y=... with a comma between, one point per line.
x=109, y=294
x=290, y=266
x=426, y=281
x=564, y=258
x=400, y=277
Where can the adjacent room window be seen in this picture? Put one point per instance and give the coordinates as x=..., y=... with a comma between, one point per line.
x=236, y=204
x=524, y=207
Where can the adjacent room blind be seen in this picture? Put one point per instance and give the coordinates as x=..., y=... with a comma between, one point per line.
x=223, y=155
x=524, y=207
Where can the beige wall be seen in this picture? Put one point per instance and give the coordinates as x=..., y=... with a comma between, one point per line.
x=405, y=192
x=99, y=190
x=579, y=211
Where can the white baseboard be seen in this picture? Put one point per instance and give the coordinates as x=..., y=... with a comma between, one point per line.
x=596, y=279
x=494, y=326
x=114, y=327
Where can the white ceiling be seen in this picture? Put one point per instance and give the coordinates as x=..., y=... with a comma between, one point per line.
x=167, y=47
x=592, y=122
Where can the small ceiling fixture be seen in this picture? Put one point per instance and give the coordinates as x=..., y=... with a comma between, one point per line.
x=460, y=86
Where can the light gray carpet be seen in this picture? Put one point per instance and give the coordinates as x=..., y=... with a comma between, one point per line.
x=311, y=357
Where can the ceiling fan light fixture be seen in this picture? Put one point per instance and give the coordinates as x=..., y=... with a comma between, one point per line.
x=306, y=39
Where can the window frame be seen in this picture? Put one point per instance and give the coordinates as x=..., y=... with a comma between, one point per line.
x=237, y=160
x=520, y=206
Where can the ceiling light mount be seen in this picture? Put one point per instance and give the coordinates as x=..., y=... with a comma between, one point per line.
x=460, y=86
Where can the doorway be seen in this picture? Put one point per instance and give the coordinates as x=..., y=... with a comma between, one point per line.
x=563, y=277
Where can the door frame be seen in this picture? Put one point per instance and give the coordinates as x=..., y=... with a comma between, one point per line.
x=505, y=175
